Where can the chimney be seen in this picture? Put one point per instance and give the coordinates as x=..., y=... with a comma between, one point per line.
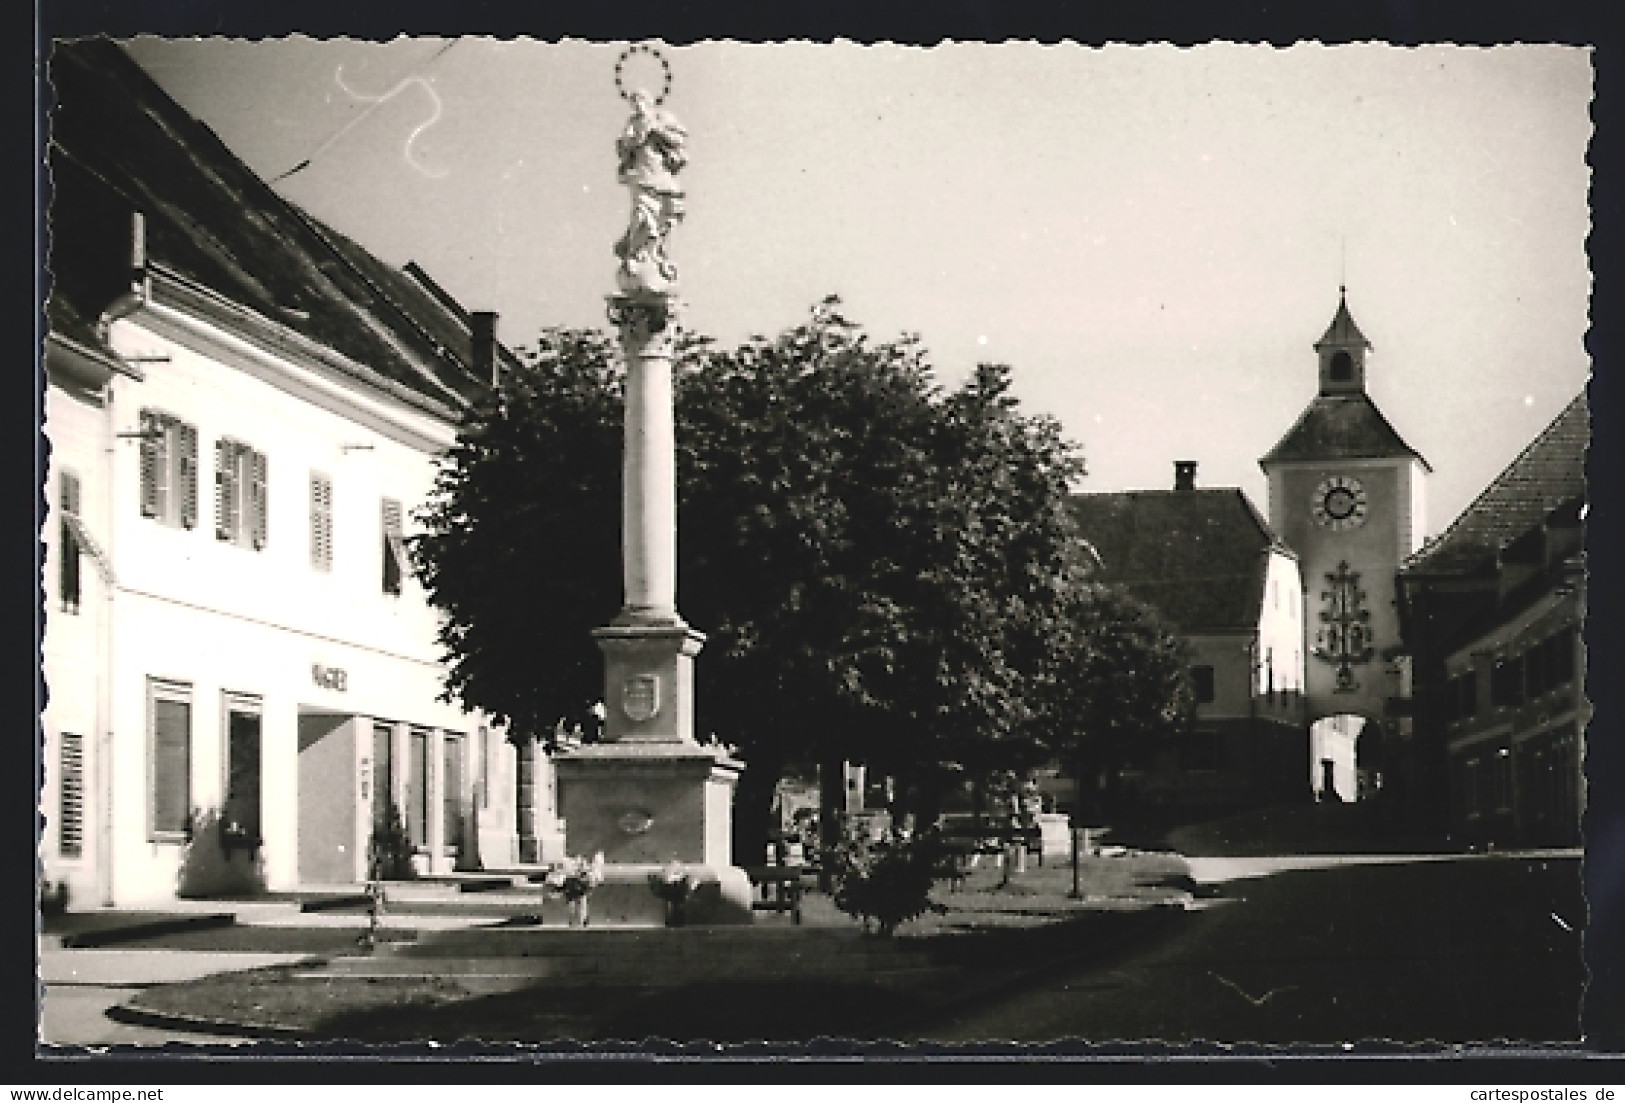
x=483, y=337
x=1184, y=474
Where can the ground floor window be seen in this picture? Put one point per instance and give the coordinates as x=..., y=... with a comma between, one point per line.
x=169, y=764
x=1471, y=801
x=417, y=787
x=451, y=801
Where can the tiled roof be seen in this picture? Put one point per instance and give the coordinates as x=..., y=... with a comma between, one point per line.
x=120, y=144
x=1546, y=475
x=1198, y=556
x=1340, y=427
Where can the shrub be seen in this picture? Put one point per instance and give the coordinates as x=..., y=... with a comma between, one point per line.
x=888, y=880
x=390, y=850
x=219, y=859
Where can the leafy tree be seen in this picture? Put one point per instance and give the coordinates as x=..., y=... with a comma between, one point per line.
x=521, y=550
x=1115, y=687
x=802, y=459
x=877, y=564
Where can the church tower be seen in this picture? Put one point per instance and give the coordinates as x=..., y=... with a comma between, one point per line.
x=1346, y=493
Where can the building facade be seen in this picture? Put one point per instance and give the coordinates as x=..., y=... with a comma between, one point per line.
x=1494, y=614
x=1211, y=566
x=1347, y=494
x=244, y=409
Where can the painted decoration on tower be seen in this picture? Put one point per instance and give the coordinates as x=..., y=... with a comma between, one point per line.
x=640, y=697
x=1344, y=636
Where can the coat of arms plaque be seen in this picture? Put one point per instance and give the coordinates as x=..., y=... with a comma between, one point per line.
x=640, y=697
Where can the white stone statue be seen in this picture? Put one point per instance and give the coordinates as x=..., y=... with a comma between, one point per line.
x=651, y=155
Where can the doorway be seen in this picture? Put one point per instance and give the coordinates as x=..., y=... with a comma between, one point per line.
x=1333, y=743
x=327, y=800
x=243, y=802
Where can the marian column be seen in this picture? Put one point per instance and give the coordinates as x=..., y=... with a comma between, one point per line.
x=650, y=793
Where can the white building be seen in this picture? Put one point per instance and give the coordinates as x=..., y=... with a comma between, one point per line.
x=244, y=409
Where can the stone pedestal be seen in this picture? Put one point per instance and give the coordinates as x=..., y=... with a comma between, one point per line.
x=650, y=794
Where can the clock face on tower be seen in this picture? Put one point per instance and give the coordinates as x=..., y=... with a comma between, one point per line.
x=1339, y=503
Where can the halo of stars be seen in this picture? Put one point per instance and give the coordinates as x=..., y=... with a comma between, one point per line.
x=643, y=48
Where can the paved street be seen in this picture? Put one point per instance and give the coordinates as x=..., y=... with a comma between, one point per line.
x=80, y=985
x=1454, y=950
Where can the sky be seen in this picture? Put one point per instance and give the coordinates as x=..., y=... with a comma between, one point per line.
x=1151, y=237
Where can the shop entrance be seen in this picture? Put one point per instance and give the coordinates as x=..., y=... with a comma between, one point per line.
x=327, y=802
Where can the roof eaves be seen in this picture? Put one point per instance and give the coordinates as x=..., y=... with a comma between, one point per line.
x=1431, y=549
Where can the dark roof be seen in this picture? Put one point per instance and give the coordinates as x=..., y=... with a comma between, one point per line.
x=1342, y=332
x=120, y=144
x=1340, y=427
x=1199, y=556
x=1546, y=476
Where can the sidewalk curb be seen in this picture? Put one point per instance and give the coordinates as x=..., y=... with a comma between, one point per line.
x=139, y=929
x=191, y=1024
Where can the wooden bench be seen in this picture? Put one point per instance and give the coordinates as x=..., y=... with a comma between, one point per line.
x=779, y=888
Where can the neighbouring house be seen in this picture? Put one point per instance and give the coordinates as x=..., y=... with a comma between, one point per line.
x=243, y=410
x=1493, y=613
x=1211, y=566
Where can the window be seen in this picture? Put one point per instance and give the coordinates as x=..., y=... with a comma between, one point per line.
x=70, y=828
x=1534, y=670
x=239, y=494
x=396, y=565
x=1467, y=705
x=168, y=469
x=1506, y=682
x=1471, y=801
x=68, y=549
x=1559, y=651
x=1500, y=778
x=417, y=787
x=1342, y=367
x=321, y=521
x=242, y=806
x=1202, y=683
x=451, y=791
x=169, y=768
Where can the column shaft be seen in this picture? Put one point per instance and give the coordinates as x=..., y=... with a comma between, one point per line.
x=649, y=501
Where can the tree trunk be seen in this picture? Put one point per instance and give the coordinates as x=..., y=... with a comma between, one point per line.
x=831, y=802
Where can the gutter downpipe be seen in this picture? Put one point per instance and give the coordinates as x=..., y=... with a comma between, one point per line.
x=122, y=307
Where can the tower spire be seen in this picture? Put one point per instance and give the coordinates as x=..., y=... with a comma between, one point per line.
x=1342, y=350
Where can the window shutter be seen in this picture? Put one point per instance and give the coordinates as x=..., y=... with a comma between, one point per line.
x=259, y=498
x=68, y=546
x=71, y=797
x=224, y=523
x=150, y=450
x=321, y=522
x=394, y=552
x=171, y=766
x=70, y=494
x=186, y=472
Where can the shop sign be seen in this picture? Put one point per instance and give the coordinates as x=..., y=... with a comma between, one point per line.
x=330, y=677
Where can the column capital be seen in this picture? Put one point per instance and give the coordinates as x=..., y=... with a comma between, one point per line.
x=647, y=322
